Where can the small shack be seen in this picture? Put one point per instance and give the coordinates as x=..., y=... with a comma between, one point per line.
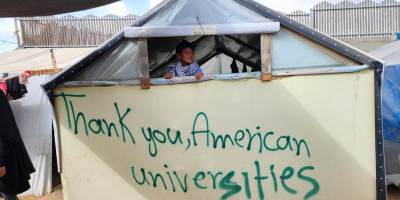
x=300, y=121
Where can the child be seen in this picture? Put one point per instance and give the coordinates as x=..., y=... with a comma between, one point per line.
x=186, y=65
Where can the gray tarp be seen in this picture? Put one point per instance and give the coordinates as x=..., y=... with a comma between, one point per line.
x=192, y=30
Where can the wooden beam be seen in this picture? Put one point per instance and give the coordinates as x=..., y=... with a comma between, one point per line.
x=266, y=58
x=144, y=67
x=53, y=59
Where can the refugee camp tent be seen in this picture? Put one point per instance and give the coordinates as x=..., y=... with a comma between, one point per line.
x=390, y=54
x=303, y=123
x=34, y=113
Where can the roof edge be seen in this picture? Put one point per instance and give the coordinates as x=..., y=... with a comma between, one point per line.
x=313, y=34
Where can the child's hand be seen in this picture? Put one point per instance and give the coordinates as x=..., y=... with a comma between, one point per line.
x=199, y=75
x=23, y=77
x=2, y=171
x=168, y=75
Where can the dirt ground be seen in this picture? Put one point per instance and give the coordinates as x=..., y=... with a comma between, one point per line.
x=56, y=195
x=393, y=194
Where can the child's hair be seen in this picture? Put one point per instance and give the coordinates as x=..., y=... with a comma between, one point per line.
x=183, y=45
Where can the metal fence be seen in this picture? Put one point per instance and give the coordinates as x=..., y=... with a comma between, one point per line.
x=347, y=19
x=301, y=17
x=70, y=31
x=342, y=20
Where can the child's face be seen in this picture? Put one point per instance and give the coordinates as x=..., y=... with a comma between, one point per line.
x=187, y=56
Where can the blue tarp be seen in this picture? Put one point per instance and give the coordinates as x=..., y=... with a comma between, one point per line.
x=391, y=122
x=390, y=54
x=391, y=103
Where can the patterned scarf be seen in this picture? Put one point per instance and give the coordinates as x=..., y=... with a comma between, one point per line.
x=188, y=70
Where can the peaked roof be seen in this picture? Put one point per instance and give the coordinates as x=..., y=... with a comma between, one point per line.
x=190, y=12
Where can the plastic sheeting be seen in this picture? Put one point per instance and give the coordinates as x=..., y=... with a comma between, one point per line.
x=288, y=49
x=116, y=65
x=194, y=12
x=34, y=116
x=391, y=109
x=391, y=121
x=162, y=52
x=389, y=53
x=122, y=63
x=192, y=30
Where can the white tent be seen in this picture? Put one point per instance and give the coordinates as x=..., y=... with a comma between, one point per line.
x=33, y=112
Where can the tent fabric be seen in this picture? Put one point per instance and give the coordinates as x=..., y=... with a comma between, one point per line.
x=390, y=103
x=40, y=58
x=390, y=53
x=34, y=116
x=117, y=64
x=206, y=47
x=192, y=30
x=192, y=13
x=124, y=56
x=391, y=122
x=25, y=8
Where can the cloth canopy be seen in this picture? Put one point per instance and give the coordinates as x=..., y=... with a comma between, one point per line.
x=28, y=8
x=40, y=58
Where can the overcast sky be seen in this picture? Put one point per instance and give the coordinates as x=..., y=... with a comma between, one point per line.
x=138, y=7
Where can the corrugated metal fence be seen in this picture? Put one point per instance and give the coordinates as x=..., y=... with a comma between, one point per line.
x=70, y=31
x=342, y=20
x=347, y=19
